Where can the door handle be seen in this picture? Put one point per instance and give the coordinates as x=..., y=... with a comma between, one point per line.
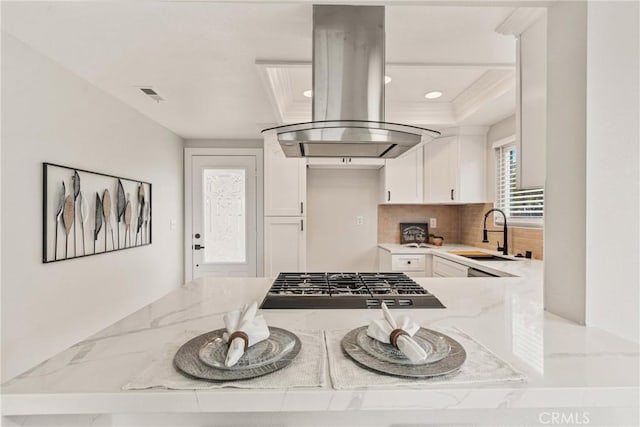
x=388, y=195
x=197, y=247
x=302, y=225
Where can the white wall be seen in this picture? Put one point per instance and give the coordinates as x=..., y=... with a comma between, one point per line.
x=335, y=198
x=50, y=114
x=565, y=182
x=500, y=130
x=613, y=280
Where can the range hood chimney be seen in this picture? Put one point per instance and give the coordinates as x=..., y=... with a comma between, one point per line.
x=348, y=91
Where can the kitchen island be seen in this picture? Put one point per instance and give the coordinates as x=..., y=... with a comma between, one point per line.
x=572, y=371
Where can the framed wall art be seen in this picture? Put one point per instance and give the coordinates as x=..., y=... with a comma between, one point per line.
x=88, y=213
x=414, y=232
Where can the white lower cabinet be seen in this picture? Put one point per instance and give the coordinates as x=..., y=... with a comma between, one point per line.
x=446, y=268
x=285, y=245
x=417, y=265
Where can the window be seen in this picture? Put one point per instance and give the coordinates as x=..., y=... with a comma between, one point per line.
x=224, y=215
x=523, y=206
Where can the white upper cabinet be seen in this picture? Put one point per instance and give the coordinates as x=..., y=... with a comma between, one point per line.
x=402, y=178
x=285, y=181
x=345, y=162
x=455, y=169
x=440, y=158
x=285, y=245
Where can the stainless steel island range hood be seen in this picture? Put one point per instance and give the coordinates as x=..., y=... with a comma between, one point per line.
x=348, y=91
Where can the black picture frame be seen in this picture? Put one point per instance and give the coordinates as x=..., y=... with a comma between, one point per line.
x=414, y=232
x=112, y=180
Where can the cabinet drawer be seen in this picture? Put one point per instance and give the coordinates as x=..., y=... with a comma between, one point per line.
x=407, y=262
x=445, y=268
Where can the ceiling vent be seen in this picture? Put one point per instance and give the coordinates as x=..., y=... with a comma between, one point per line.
x=151, y=93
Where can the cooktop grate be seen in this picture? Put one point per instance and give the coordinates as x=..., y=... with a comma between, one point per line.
x=348, y=290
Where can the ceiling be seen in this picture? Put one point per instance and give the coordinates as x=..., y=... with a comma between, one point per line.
x=226, y=70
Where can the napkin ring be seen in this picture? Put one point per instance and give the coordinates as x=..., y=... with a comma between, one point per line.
x=240, y=334
x=395, y=334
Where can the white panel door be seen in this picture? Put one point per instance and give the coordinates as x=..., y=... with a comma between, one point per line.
x=224, y=216
x=403, y=178
x=285, y=246
x=441, y=168
x=285, y=181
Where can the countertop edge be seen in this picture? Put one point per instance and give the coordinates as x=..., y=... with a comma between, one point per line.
x=295, y=400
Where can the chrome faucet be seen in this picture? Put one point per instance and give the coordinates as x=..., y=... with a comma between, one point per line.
x=485, y=238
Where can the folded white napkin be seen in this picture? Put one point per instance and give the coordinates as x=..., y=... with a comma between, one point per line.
x=244, y=320
x=381, y=330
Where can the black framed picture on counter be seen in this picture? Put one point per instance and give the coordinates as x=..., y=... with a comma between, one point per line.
x=414, y=233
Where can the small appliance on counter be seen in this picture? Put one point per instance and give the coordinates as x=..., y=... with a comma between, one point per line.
x=347, y=290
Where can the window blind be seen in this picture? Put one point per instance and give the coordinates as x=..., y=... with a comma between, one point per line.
x=526, y=204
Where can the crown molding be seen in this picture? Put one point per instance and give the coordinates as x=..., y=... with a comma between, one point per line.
x=488, y=87
x=521, y=19
x=416, y=113
x=493, y=83
x=464, y=130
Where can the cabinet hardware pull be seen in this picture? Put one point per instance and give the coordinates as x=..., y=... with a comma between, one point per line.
x=388, y=195
x=349, y=159
x=197, y=247
x=452, y=194
x=301, y=207
x=302, y=225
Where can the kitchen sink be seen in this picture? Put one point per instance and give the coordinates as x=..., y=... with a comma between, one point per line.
x=481, y=256
x=489, y=258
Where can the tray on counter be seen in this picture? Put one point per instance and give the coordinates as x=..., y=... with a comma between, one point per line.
x=445, y=355
x=203, y=356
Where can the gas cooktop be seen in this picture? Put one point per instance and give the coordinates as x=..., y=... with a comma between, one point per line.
x=348, y=290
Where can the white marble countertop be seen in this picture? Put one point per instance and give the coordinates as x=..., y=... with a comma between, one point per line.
x=521, y=267
x=568, y=365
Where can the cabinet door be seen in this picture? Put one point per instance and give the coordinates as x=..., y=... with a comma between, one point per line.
x=441, y=158
x=285, y=181
x=285, y=247
x=403, y=178
x=446, y=268
x=471, y=169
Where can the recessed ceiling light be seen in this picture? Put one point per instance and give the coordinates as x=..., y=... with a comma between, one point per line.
x=433, y=95
x=387, y=79
x=308, y=93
